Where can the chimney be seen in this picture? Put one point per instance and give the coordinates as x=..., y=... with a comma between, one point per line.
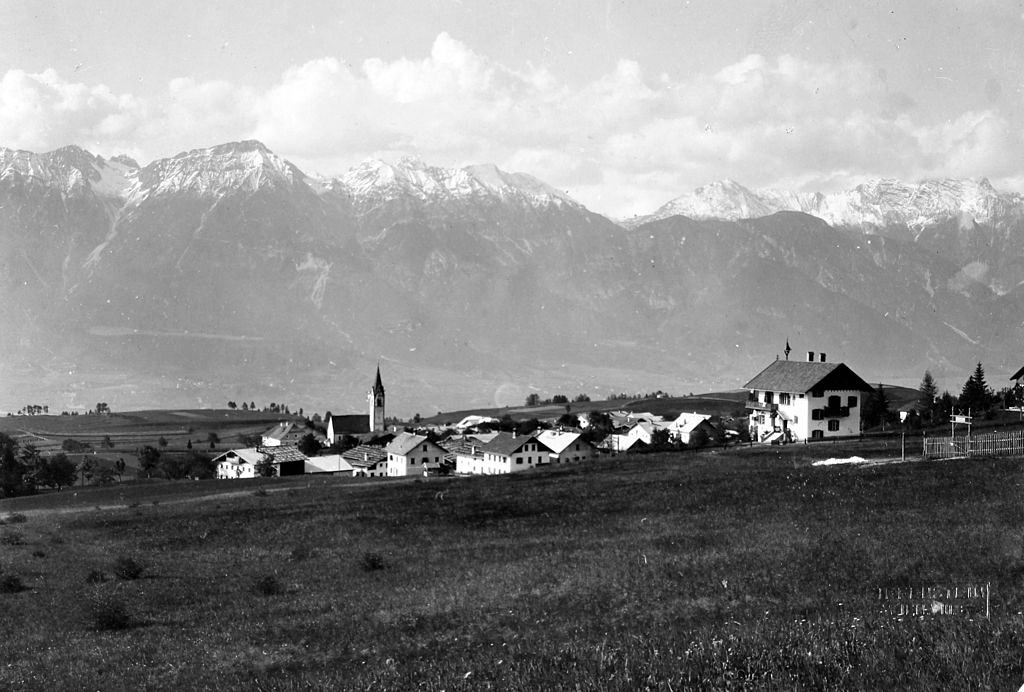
x=822, y=357
x=810, y=356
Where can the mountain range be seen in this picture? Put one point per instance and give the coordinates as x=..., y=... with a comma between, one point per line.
x=228, y=273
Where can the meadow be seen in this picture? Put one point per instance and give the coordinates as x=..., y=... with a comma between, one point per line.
x=729, y=569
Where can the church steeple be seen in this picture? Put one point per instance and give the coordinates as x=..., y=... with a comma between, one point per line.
x=375, y=398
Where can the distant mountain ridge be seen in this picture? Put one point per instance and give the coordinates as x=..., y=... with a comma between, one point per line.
x=228, y=273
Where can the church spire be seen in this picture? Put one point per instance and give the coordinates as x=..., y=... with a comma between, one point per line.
x=787, y=352
x=375, y=398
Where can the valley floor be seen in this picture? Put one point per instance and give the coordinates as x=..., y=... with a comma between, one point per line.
x=746, y=568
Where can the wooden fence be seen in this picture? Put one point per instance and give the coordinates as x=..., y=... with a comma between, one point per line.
x=1008, y=444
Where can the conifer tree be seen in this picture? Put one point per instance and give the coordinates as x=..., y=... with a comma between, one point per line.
x=976, y=395
x=926, y=400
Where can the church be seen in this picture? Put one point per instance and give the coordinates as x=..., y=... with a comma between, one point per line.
x=359, y=425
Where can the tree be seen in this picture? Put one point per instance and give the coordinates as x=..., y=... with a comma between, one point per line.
x=559, y=399
x=213, y=438
x=927, y=398
x=876, y=408
x=232, y=405
x=162, y=441
x=104, y=475
x=533, y=399
x=568, y=420
x=107, y=442
x=119, y=468
x=661, y=439
x=149, y=458
x=200, y=465
x=57, y=472
x=265, y=467
x=309, y=445
x=245, y=406
x=13, y=473
x=976, y=395
x=86, y=468
x=580, y=398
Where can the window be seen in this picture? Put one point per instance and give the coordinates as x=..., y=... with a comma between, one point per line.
x=424, y=448
x=817, y=434
x=412, y=462
x=816, y=414
x=833, y=425
x=769, y=397
x=835, y=401
x=519, y=461
x=784, y=399
x=851, y=402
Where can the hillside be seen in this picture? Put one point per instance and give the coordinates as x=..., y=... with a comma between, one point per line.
x=228, y=273
x=705, y=571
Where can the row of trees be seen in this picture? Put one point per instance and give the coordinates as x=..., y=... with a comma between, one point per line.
x=533, y=399
x=274, y=407
x=23, y=469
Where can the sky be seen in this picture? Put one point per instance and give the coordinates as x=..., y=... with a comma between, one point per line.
x=623, y=105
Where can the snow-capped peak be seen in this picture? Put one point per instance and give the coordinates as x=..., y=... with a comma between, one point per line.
x=874, y=203
x=246, y=165
x=70, y=169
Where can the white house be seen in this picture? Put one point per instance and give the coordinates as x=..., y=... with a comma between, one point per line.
x=805, y=400
x=616, y=443
x=238, y=463
x=566, y=446
x=510, y=454
x=684, y=426
x=410, y=454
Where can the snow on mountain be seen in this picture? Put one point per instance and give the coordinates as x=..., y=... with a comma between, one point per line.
x=244, y=166
x=70, y=169
x=877, y=204
x=409, y=176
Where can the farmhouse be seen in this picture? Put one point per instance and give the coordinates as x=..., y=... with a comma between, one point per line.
x=410, y=454
x=288, y=433
x=566, y=446
x=366, y=460
x=244, y=463
x=683, y=427
x=509, y=454
x=791, y=401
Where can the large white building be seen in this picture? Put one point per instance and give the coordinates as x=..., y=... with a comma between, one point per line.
x=791, y=401
x=412, y=455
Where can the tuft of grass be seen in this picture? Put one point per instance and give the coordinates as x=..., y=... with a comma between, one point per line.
x=372, y=562
x=11, y=583
x=128, y=568
x=268, y=585
x=109, y=613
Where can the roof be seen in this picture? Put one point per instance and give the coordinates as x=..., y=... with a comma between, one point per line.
x=279, y=431
x=484, y=438
x=1017, y=375
x=406, y=442
x=248, y=455
x=802, y=376
x=284, y=454
x=505, y=443
x=328, y=463
x=353, y=423
x=364, y=456
x=688, y=422
x=558, y=441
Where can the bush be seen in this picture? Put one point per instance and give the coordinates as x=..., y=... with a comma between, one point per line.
x=12, y=538
x=11, y=583
x=371, y=562
x=14, y=518
x=268, y=585
x=109, y=613
x=301, y=552
x=128, y=568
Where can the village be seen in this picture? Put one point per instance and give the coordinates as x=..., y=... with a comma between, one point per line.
x=789, y=401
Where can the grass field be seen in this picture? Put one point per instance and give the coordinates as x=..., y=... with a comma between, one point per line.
x=745, y=568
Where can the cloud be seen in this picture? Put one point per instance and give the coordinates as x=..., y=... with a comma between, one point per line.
x=622, y=142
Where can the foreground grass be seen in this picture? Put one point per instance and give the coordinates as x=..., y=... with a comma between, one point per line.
x=745, y=569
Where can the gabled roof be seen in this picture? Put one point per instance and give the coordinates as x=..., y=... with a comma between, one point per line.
x=248, y=455
x=284, y=454
x=406, y=442
x=352, y=424
x=688, y=422
x=328, y=463
x=798, y=376
x=505, y=443
x=364, y=456
x=1017, y=375
x=279, y=431
x=558, y=441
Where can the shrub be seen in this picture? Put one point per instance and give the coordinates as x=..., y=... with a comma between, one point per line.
x=268, y=585
x=12, y=538
x=301, y=552
x=14, y=518
x=128, y=568
x=109, y=613
x=371, y=562
x=11, y=583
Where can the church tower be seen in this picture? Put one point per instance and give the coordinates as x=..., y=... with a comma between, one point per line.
x=375, y=398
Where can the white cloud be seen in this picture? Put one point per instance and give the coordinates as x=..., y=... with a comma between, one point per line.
x=623, y=142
